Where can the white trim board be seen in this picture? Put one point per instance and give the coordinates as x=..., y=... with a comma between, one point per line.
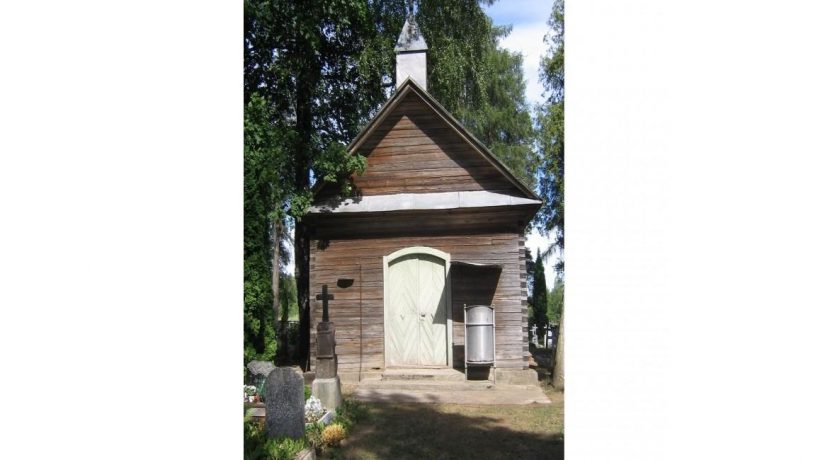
x=420, y=201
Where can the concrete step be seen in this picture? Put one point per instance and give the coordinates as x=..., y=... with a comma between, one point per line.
x=499, y=395
x=423, y=385
x=431, y=375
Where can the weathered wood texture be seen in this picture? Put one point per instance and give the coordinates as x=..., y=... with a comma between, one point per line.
x=414, y=151
x=444, y=221
x=414, y=148
x=357, y=309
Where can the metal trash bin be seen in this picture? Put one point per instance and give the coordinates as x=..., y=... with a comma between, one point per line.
x=479, y=336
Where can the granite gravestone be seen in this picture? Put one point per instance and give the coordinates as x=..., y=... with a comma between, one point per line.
x=258, y=371
x=284, y=404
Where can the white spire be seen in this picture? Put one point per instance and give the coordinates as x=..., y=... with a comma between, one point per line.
x=411, y=50
x=410, y=38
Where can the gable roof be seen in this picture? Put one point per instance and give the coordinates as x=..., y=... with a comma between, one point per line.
x=410, y=87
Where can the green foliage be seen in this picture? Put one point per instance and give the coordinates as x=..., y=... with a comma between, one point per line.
x=556, y=299
x=314, y=434
x=258, y=446
x=284, y=449
x=311, y=79
x=349, y=413
x=264, y=156
x=551, y=137
x=530, y=268
x=503, y=122
x=320, y=65
x=288, y=298
x=261, y=390
x=254, y=440
x=540, y=295
x=479, y=83
x=306, y=392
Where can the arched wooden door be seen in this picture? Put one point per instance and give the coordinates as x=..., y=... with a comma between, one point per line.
x=416, y=308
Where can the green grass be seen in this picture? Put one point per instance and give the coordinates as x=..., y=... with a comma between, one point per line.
x=257, y=445
x=450, y=431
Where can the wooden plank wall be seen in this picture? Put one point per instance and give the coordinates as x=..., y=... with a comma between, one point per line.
x=413, y=151
x=445, y=221
x=360, y=304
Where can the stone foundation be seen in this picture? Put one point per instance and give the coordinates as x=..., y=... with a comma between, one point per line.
x=328, y=392
x=516, y=377
x=507, y=376
x=353, y=377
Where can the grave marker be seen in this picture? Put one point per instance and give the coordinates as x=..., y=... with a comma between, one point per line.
x=284, y=404
x=326, y=385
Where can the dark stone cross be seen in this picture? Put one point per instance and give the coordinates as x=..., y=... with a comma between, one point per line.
x=325, y=297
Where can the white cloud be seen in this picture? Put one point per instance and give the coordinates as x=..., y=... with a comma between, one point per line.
x=528, y=39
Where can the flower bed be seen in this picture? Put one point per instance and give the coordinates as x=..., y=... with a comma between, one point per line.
x=314, y=410
x=251, y=394
x=324, y=435
x=316, y=414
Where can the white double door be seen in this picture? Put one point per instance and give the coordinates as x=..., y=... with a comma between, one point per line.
x=417, y=309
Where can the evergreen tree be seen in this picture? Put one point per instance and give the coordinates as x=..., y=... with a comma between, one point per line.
x=556, y=297
x=481, y=84
x=551, y=120
x=264, y=158
x=529, y=270
x=540, y=297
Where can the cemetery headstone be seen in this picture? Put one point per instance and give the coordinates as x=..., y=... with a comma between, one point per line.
x=284, y=404
x=258, y=371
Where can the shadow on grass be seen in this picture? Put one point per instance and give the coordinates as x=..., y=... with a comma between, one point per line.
x=410, y=430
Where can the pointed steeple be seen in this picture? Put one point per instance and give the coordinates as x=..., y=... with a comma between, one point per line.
x=410, y=39
x=411, y=51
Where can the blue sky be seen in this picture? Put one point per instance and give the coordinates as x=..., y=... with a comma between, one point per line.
x=529, y=21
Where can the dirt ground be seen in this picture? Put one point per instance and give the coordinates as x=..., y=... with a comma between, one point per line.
x=451, y=431
x=454, y=431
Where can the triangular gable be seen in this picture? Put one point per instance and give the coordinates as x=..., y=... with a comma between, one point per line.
x=413, y=145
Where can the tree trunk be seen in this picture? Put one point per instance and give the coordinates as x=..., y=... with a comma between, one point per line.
x=281, y=358
x=301, y=263
x=559, y=359
x=308, y=77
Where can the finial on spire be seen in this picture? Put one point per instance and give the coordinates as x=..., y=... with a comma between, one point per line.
x=411, y=51
x=410, y=38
